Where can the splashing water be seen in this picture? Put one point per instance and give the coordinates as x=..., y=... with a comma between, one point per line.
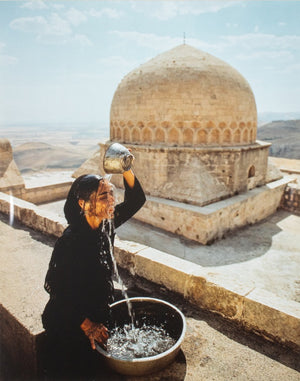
x=129, y=305
x=131, y=342
x=11, y=209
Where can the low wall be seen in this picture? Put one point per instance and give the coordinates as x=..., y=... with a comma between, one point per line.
x=32, y=216
x=44, y=194
x=210, y=222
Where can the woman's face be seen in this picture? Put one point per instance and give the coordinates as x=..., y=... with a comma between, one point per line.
x=101, y=204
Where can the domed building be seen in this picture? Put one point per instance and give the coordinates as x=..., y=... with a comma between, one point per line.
x=190, y=120
x=184, y=97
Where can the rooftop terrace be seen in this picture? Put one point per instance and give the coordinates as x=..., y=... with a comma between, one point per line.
x=245, y=283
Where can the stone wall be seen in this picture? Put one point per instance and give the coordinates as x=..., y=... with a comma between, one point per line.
x=10, y=176
x=47, y=193
x=291, y=198
x=210, y=222
x=30, y=215
x=197, y=176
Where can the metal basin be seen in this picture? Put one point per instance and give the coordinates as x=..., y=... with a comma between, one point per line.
x=154, y=312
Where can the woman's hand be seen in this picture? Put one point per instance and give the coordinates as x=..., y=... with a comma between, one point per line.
x=95, y=332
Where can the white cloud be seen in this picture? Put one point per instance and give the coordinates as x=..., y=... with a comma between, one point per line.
x=282, y=23
x=278, y=55
x=248, y=42
x=35, y=24
x=169, y=9
x=75, y=17
x=261, y=41
x=54, y=29
x=256, y=48
x=105, y=12
x=33, y=5
x=58, y=26
x=149, y=40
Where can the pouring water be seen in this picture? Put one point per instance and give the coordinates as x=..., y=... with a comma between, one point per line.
x=130, y=310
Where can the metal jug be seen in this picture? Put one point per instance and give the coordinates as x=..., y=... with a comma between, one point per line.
x=117, y=159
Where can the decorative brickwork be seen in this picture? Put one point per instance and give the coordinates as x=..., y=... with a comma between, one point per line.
x=184, y=97
x=291, y=198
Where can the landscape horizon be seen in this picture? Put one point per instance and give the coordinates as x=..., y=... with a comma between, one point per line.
x=65, y=146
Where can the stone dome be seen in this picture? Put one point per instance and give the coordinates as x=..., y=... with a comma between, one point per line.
x=184, y=97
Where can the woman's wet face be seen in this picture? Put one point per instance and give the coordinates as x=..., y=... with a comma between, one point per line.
x=101, y=204
x=105, y=201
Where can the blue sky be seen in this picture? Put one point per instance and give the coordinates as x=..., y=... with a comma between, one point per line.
x=61, y=61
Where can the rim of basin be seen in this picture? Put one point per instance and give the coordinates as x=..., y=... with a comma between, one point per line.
x=160, y=355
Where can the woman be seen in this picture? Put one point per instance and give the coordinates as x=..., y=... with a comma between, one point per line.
x=79, y=278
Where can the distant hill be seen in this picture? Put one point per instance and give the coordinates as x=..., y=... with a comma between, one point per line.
x=40, y=156
x=284, y=136
x=267, y=117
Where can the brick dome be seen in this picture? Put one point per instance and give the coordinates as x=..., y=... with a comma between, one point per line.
x=184, y=97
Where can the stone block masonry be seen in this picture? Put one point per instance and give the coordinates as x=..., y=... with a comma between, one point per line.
x=208, y=223
x=291, y=198
x=197, y=176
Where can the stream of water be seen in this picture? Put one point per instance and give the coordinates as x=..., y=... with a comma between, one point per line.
x=129, y=305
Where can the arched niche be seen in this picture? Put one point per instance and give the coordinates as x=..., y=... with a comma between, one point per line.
x=245, y=136
x=147, y=135
x=215, y=136
x=237, y=136
x=126, y=135
x=160, y=135
x=118, y=133
x=202, y=137
x=227, y=136
x=173, y=136
x=188, y=135
x=251, y=171
x=136, y=135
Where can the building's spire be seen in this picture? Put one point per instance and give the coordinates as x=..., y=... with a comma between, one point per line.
x=183, y=38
